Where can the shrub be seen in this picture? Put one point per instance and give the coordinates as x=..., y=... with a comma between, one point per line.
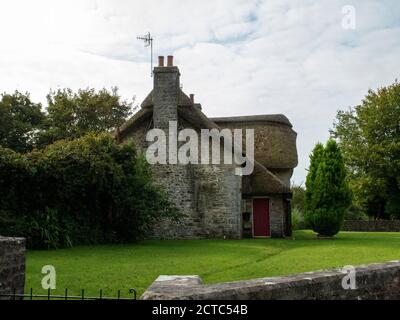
x=46, y=229
x=297, y=219
x=299, y=197
x=298, y=207
x=16, y=177
x=89, y=190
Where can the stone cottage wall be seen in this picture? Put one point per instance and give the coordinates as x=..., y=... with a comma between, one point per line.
x=218, y=200
x=208, y=197
x=12, y=266
x=277, y=216
x=176, y=181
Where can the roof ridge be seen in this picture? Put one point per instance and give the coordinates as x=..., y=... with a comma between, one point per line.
x=184, y=100
x=275, y=118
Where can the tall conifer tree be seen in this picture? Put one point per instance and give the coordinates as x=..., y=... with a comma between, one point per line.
x=329, y=195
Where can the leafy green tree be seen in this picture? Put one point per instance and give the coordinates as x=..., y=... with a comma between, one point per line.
x=73, y=114
x=20, y=121
x=369, y=136
x=329, y=195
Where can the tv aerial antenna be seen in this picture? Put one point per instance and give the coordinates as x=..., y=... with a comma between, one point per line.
x=148, y=42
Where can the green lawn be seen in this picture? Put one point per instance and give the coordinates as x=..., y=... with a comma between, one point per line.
x=112, y=267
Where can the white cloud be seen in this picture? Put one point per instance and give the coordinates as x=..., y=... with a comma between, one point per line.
x=238, y=56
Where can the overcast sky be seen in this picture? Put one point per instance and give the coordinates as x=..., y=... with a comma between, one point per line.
x=239, y=57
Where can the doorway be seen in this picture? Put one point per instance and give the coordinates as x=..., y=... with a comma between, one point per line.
x=261, y=223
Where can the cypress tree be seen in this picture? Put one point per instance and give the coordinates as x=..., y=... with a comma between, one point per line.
x=329, y=194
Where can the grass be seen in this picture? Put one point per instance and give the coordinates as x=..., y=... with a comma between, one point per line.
x=112, y=267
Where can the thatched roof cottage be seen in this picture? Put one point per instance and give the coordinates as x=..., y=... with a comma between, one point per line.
x=216, y=202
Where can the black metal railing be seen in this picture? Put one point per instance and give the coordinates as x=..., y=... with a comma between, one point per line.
x=65, y=296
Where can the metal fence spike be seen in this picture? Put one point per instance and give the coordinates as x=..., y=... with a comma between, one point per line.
x=133, y=291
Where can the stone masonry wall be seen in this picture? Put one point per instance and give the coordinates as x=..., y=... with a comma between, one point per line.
x=277, y=216
x=12, y=265
x=208, y=196
x=375, y=281
x=176, y=181
x=372, y=226
x=218, y=200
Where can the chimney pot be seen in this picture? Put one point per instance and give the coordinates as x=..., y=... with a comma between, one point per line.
x=170, y=62
x=192, y=97
x=161, y=61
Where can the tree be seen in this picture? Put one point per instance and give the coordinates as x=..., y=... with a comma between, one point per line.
x=73, y=114
x=298, y=198
x=20, y=121
x=369, y=136
x=298, y=203
x=328, y=195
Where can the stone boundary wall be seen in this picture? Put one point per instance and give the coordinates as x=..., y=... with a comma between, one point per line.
x=12, y=266
x=372, y=226
x=375, y=281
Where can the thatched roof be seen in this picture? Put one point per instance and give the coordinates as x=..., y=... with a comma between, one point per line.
x=138, y=118
x=196, y=117
x=265, y=118
x=183, y=100
x=275, y=140
x=263, y=182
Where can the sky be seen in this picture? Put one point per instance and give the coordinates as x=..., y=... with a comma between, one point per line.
x=305, y=59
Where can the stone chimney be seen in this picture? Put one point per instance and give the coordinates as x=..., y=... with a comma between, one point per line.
x=165, y=93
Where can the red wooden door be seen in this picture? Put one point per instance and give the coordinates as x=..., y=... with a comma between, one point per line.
x=261, y=218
